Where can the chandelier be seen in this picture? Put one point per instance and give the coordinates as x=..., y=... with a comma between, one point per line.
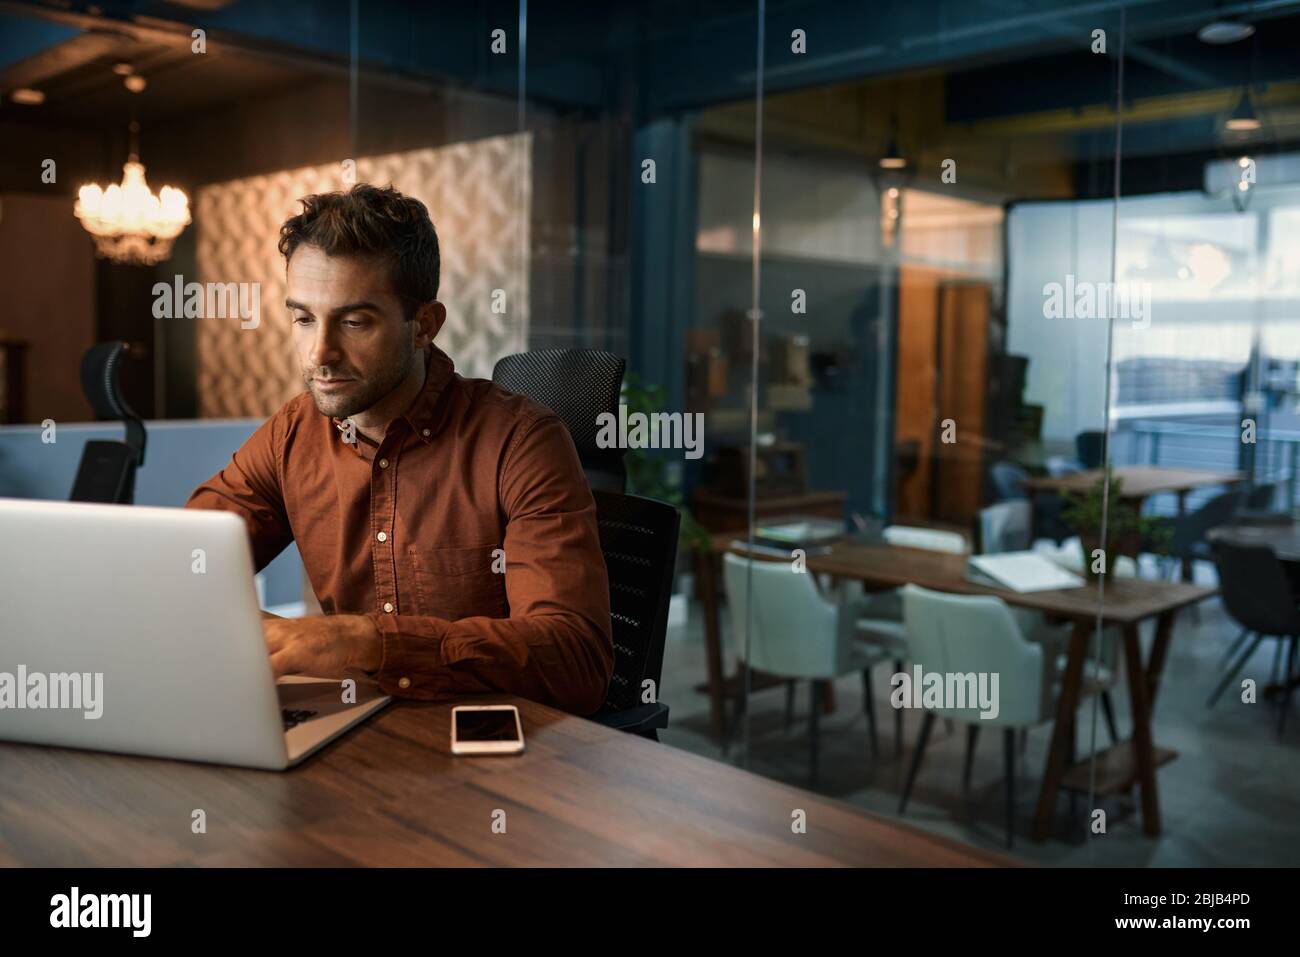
x=129, y=223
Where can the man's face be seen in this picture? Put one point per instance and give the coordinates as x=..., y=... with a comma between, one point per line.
x=354, y=343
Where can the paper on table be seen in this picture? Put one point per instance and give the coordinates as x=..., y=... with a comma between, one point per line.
x=1022, y=571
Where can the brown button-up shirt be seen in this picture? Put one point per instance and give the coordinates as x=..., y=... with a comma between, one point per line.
x=468, y=535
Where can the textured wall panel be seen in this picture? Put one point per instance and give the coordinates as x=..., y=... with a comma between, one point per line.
x=478, y=195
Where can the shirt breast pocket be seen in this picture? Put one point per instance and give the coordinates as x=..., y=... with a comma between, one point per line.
x=458, y=582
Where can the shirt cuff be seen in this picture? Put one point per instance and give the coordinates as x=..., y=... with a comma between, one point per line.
x=412, y=664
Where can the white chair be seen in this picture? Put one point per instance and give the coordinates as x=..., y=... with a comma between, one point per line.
x=881, y=623
x=933, y=539
x=1005, y=527
x=976, y=634
x=797, y=633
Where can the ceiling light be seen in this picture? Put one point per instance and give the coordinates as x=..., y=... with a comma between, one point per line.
x=135, y=84
x=1224, y=31
x=123, y=69
x=27, y=96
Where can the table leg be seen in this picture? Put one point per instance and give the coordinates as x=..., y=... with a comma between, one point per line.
x=706, y=580
x=1063, y=731
x=1156, y=664
x=1186, y=564
x=1143, y=748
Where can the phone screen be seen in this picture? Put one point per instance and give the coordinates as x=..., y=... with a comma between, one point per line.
x=486, y=726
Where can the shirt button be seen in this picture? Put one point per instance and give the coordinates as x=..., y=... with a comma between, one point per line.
x=425, y=433
x=388, y=607
x=404, y=683
x=382, y=536
x=383, y=463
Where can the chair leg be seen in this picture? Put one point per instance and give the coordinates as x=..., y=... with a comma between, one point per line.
x=1277, y=662
x=1108, y=709
x=1286, y=698
x=1236, y=669
x=789, y=706
x=972, y=735
x=1232, y=650
x=869, y=704
x=898, y=717
x=1009, y=750
x=926, y=724
x=813, y=729
x=1024, y=741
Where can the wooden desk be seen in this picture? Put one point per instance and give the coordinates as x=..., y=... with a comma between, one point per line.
x=1128, y=602
x=390, y=793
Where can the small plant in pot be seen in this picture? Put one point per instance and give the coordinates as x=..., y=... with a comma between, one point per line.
x=1127, y=531
x=648, y=472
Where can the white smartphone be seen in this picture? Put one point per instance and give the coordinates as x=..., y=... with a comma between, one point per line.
x=486, y=729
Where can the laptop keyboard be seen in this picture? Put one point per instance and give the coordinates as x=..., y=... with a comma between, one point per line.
x=293, y=718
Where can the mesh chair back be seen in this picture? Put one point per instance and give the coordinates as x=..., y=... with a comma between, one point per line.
x=1255, y=588
x=577, y=385
x=1261, y=497
x=638, y=537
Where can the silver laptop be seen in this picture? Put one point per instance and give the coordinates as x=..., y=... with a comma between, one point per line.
x=137, y=630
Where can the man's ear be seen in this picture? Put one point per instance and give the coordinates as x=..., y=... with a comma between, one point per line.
x=428, y=322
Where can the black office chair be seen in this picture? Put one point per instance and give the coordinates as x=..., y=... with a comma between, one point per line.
x=107, y=469
x=638, y=537
x=1258, y=595
x=1261, y=497
x=1186, y=536
x=1089, y=448
x=578, y=385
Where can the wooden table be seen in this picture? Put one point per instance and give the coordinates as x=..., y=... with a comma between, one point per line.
x=1140, y=482
x=1128, y=602
x=390, y=793
x=1283, y=538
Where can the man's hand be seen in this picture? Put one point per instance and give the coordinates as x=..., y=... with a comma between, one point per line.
x=324, y=646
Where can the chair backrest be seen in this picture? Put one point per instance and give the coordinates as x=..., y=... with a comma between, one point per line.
x=1255, y=588
x=795, y=632
x=967, y=640
x=1089, y=446
x=932, y=539
x=1191, y=529
x=578, y=385
x=107, y=469
x=1007, y=477
x=638, y=537
x=1261, y=497
x=1005, y=527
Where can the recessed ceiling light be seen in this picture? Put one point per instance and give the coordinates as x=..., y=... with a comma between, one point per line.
x=1224, y=31
x=123, y=69
x=134, y=83
x=27, y=96
x=892, y=162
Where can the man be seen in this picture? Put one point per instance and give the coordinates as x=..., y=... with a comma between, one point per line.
x=445, y=524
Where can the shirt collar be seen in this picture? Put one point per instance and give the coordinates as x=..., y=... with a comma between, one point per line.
x=422, y=416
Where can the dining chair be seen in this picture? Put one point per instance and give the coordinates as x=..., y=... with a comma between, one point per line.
x=1187, y=537
x=976, y=635
x=798, y=634
x=1005, y=527
x=1258, y=596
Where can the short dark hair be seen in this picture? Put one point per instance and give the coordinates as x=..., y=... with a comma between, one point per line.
x=372, y=220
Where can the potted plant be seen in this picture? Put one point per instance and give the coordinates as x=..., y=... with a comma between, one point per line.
x=649, y=473
x=1127, y=531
